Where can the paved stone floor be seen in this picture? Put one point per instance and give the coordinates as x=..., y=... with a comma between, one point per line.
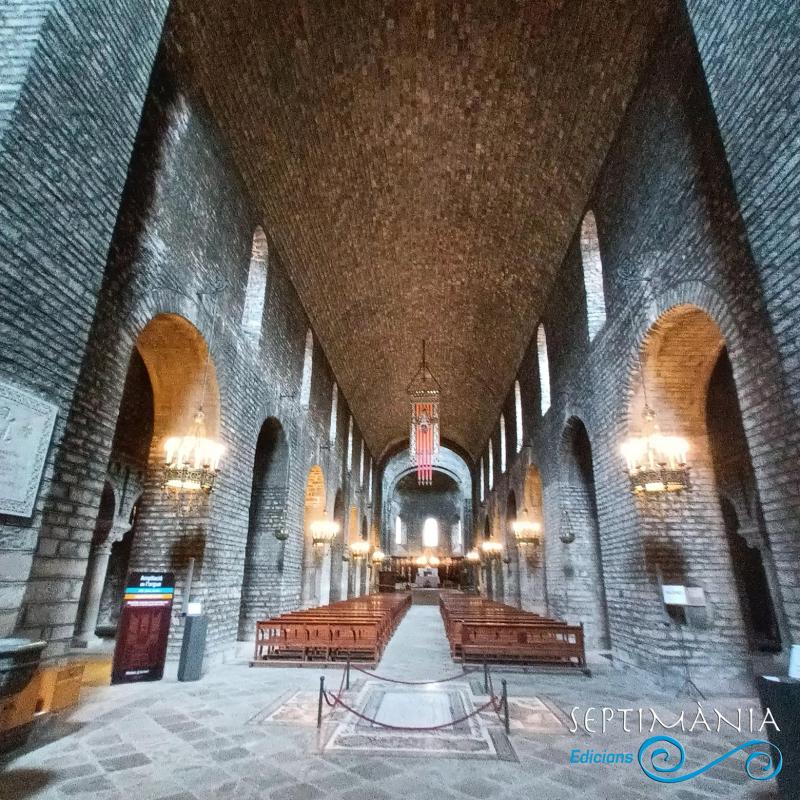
x=214, y=739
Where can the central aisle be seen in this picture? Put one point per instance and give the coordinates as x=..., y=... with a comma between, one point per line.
x=418, y=649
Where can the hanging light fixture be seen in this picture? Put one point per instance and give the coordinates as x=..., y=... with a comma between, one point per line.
x=424, y=391
x=323, y=531
x=378, y=557
x=656, y=463
x=191, y=461
x=359, y=549
x=491, y=548
x=473, y=556
x=526, y=530
x=421, y=561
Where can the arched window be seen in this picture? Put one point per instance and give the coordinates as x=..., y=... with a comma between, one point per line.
x=430, y=533
x=369, y=480
x=361, y=465
x=518, y=414
x=502, y=444
x=308, y=366
x=482, y=483
x=491, y=465
x=544, y=369
x=350, y=445
x=334, y=409
x=398, y=530
x=592, y=275
x=256, y=287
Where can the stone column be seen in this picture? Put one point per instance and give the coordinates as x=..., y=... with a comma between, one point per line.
x=357, y=579
x=324, y=585
x=96, y=578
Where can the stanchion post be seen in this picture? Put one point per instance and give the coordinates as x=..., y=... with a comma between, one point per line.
x=505, y=706
x=485, y=677
x=347, y=679
x=319, y=704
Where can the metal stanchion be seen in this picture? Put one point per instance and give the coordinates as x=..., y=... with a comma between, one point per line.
x=319, y=704
x=347, y=679
x=505, y=705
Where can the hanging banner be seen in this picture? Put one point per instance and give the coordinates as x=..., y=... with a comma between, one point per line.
x=423, y=448
x=143, y=630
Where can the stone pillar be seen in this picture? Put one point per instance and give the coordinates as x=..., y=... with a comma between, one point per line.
x=96, y=577
x=324, y=586
x=344, y=582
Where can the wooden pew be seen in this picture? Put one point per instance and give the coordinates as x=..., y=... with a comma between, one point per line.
x=358, y=629
x=483, y=630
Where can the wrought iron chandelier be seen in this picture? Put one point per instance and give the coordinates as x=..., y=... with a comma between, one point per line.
x=492, y=549
x=526, y=531
x=359, y=549
x=191, y=461
x=656, y=463
x=323, y=532
x=424, y=391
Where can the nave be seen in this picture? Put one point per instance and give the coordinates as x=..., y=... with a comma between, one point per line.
x=251, y=733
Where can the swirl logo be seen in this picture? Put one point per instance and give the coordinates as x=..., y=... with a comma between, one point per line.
x=760, y=765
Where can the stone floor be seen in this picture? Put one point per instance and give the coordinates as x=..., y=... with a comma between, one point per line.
x=250, y=733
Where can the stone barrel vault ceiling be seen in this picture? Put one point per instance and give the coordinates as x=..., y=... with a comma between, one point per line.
x=421, y=168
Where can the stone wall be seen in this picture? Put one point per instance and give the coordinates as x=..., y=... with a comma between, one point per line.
x=181, y=252
x=672, y=239
x=70, y=112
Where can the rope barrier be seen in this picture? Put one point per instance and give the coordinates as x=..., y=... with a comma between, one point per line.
x=415, y=729
x=461, y=674
x=497, y=704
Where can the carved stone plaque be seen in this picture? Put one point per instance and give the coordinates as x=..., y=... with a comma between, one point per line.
x=26, y=425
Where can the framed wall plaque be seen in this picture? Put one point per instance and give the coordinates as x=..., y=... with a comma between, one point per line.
x=143, y=627
x=26, y=427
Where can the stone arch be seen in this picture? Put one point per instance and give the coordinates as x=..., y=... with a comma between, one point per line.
x=261, y=581
x=512, y=584
x=583, y=596
x=178, y=379
x=313, y=510
x=532, y=560
x=337, y=549
x=689, y=377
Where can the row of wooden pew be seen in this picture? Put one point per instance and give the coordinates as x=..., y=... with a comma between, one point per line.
x=357, y=629
x=485, y=631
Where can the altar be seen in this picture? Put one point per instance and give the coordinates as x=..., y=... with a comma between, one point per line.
x=427, y=578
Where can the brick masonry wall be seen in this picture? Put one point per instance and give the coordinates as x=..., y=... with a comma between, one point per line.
x=20, y=25
x=670, y=233
x=185, y=228
x=64, y=152
x=751, y=62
